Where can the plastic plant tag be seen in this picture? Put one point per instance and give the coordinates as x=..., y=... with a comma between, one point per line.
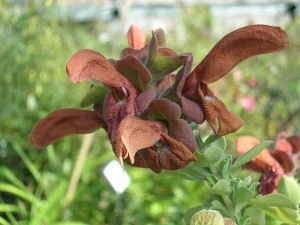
x=116, y=176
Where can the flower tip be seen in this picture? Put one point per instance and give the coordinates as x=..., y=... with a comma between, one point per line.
x=120, y=159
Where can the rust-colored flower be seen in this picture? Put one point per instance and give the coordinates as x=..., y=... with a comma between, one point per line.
x=142, y=102
x=198, y=101
x=284, y=159
x=145, y=130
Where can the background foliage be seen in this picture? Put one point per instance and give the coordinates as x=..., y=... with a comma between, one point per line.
x=35, y=47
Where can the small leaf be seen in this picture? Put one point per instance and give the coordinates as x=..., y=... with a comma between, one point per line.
x=217, y=141
x=248, y=156
x=161, y=66
x=289, y=186
x=242, y=195
x=213, y=154
x=222, y=187
x=95, y=95
x=274, y=199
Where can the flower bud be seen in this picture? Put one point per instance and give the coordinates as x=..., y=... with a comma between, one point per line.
x=207, y=217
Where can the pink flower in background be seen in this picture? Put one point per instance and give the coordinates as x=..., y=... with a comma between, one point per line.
x=248, y=103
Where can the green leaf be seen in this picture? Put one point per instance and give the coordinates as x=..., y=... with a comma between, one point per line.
x=50, y=210
x=282, y=215
x=216, y=141
x=8, y=174
x=160, y=66
x=253, y=215
x=96, y=94
x=11, y=189
x=213, y=154
x=274, y=199
x=289, y=186
x=8, y=208
x=222, y=187
x=248, y=156
x=242, y=195
x=189, y=173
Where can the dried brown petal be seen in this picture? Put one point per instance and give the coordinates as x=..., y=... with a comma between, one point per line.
x=135, y=134
x=217, y=115
x=89, y=64
x=168, y=154
x=238, y=46
x=136, y=38
x=64, y=122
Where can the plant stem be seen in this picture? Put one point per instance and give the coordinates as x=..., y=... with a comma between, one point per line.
x=81, y=158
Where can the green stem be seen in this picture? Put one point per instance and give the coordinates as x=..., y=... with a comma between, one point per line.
x=229, y=205
x=81, y=158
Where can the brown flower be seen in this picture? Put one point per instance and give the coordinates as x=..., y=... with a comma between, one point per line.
x=225, y=55
x=145, y=130
x=272, y=164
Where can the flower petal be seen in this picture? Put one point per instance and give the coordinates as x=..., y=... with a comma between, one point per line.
x=135, y=71
x=136, y=38
x=238, y=46
x=262, y=160
x=64, y=122
x=217, y=115
x=168, y=154
x=162, y=110
x=192, y=110
x=141, y=54
x=89, y=64
x=135, y=134
x=295, y=142
x=143, y=100
x=181, y=131
x=161, y=38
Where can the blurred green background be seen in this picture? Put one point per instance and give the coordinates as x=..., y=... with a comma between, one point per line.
x=35, y=45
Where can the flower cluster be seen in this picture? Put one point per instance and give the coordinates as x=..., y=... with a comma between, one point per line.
x=272, y=164
x=144, y=99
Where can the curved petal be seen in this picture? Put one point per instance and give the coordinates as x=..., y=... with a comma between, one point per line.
x=89, y=64
x=162, y=110
x=135, y=71
x=135, y=134
x=64, y=122
x=143, y=100
x=238, y=46
x=136, y=38
x=192, y=110
x=218, y=116
x=295, y=142
x=181, y=131
x=168, y=154
x=262, y=160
